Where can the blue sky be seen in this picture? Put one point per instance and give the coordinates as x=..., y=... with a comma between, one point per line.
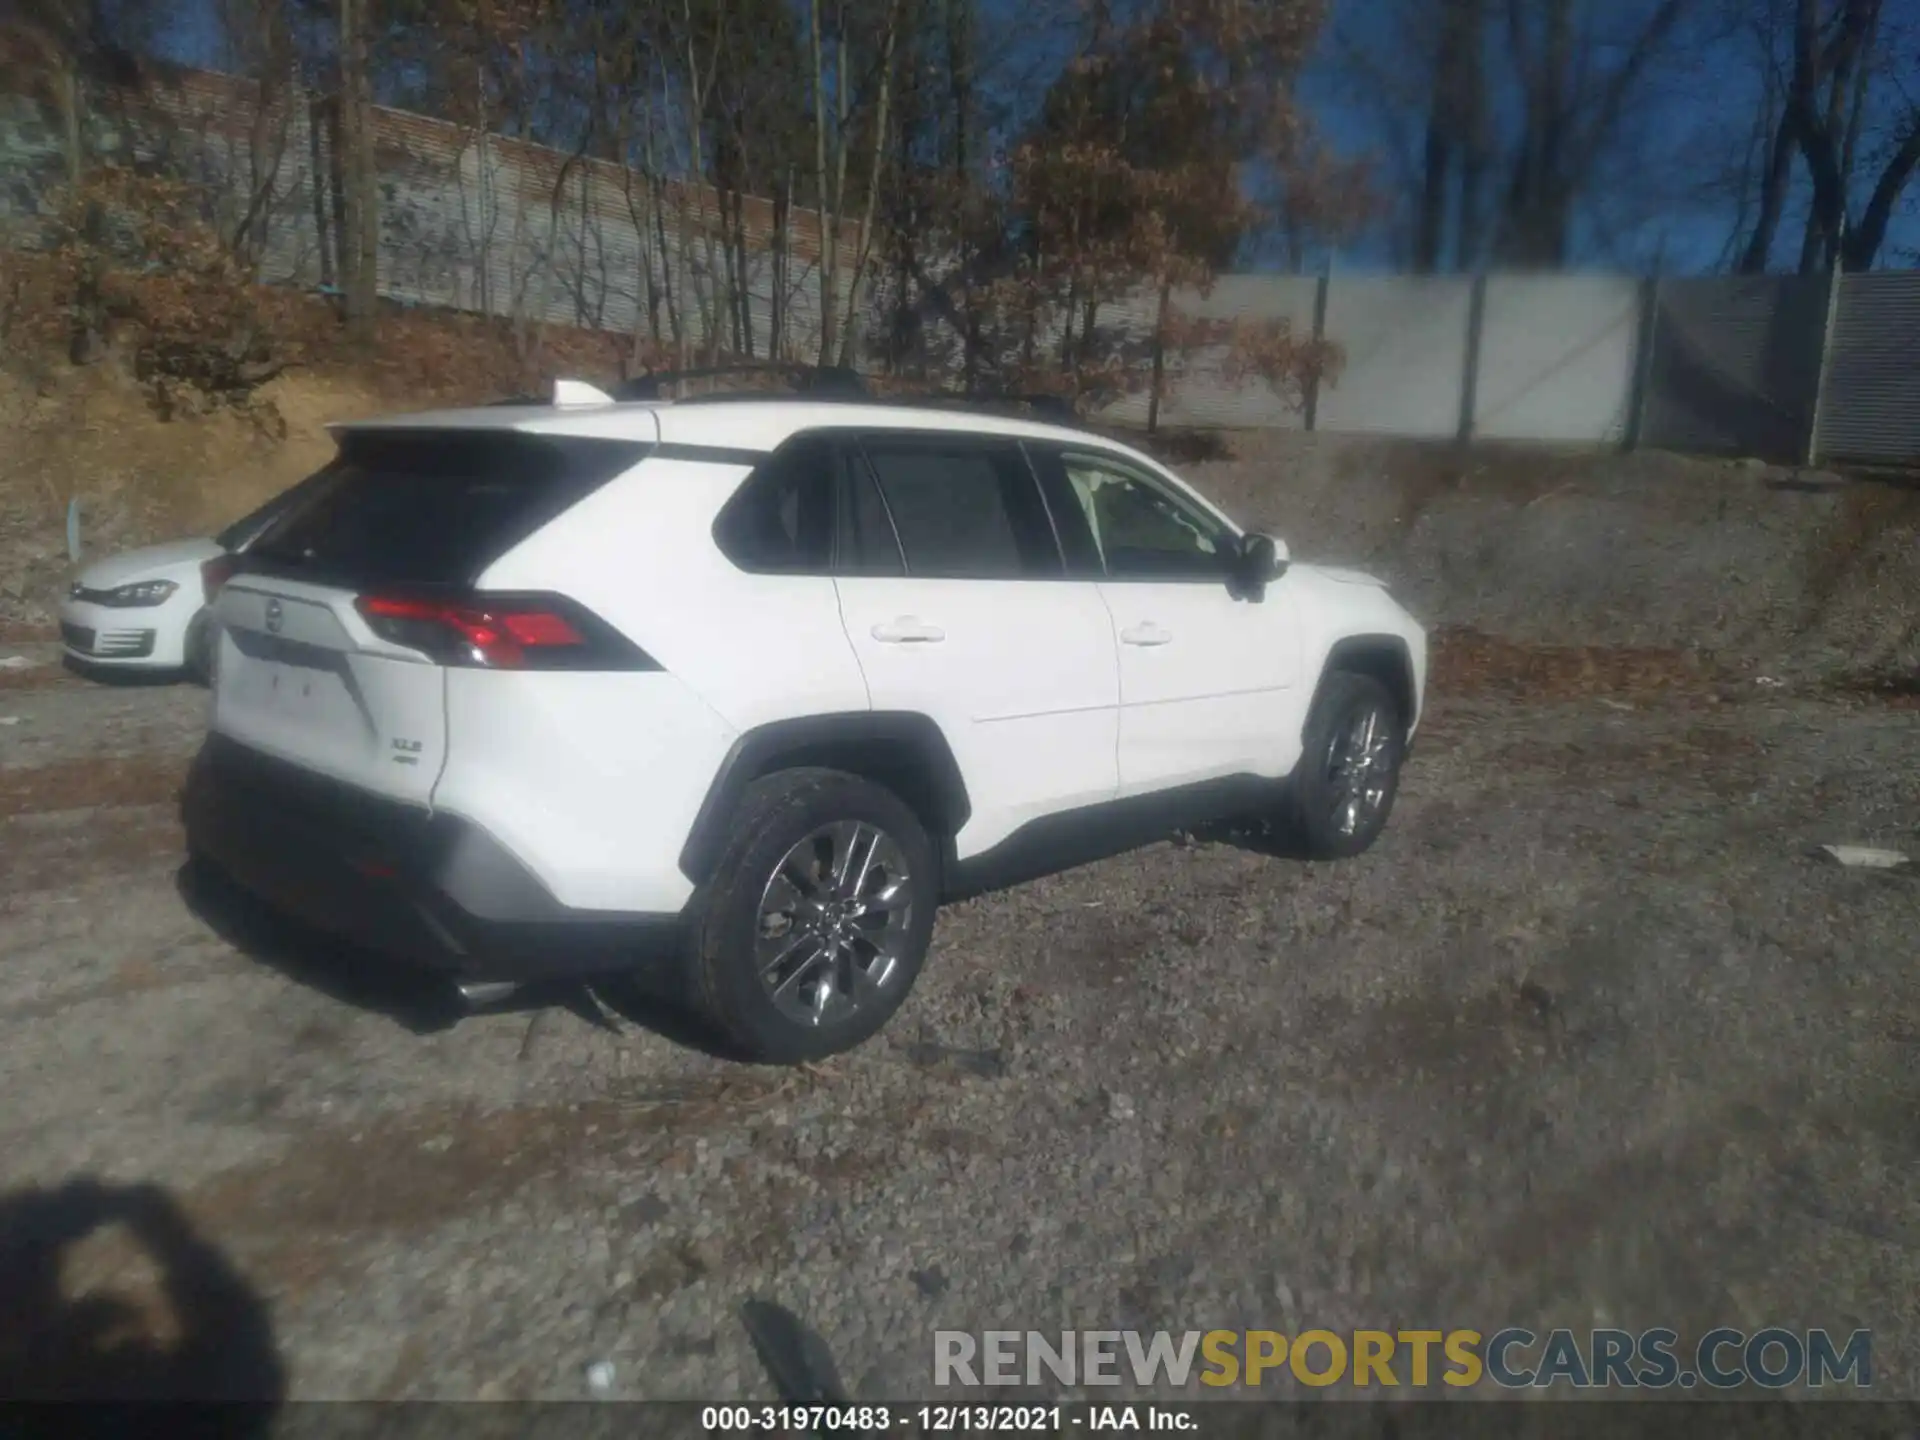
x=1650, y=210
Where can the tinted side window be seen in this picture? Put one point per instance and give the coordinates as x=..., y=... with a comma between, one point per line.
x=781, y=520
x=868, y=545
x=1143, y=529
x=964, y=511
x=1071, y=523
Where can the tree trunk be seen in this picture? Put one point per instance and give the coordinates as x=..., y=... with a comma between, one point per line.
x=72, y=117
x=1035, y=282
x=782, y=266
x=1455, y=100
x=825, y=196
x=1861, y=245
x=1773, y=199
x=669, y=276
x=657, y=206
x=1430, y=228
x=852, y=332
x=1159, y=356
x=959, y=24
x=325, y=234
x=359, y=248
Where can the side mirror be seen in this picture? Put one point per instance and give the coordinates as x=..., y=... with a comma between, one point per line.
x=1262, y=559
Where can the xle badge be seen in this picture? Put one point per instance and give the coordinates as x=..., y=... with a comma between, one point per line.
x=408, y=752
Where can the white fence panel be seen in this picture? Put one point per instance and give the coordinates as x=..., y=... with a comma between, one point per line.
x=1405, y=340
x=1557, y=355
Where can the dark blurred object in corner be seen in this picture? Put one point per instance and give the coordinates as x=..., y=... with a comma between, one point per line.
x=205, y=1351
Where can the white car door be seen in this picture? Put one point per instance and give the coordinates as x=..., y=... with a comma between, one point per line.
x=1209, y=679
x=970, y=620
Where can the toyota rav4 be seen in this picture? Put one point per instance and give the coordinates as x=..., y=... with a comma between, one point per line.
x=748, y=686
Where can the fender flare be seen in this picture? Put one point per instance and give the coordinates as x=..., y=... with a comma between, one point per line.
x=1352, y=645
x=829, y=740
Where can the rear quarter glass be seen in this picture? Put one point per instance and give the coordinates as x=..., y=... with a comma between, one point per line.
x=433, y=507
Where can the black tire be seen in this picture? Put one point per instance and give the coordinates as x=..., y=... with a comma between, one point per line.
x=776, y=815
x=1315, y=798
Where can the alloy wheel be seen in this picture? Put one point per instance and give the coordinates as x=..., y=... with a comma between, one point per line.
x=833, y=922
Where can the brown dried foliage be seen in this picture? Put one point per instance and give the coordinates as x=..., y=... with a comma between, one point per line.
x=136, y=267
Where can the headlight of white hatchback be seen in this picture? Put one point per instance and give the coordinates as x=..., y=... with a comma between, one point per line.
x=140, y=593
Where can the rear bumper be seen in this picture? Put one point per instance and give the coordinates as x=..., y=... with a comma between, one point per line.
x=431, y=889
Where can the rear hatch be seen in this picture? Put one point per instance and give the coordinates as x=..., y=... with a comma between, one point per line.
x=342, y=618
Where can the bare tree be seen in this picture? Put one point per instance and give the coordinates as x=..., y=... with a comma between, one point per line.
x=1454, y=149
x=1844, y=101
x=1500, y=120
x=359, y=247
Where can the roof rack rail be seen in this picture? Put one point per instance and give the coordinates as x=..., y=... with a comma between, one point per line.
x=823, y=381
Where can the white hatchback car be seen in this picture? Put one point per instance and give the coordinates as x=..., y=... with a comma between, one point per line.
x=136, y=610
x=747, y=687
x=145, y=611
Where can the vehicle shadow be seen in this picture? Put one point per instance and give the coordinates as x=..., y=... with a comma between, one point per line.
x=123, y=679
x=414, y=997
x=1256, y=837
x=196, y=1333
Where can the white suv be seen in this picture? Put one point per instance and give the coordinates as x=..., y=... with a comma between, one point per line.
x=747, y=686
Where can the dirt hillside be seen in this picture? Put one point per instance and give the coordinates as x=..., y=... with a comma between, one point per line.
x=1798, y=576
x=94, y=436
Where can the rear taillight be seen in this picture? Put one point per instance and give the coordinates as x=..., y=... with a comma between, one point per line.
x=215, y=573
x=502, y=632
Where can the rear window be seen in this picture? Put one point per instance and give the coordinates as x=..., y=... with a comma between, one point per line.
x=433, y=507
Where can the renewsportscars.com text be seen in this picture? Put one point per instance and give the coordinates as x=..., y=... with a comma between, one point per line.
x=1773, y=1358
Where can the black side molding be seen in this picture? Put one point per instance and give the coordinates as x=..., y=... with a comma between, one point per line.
x=902, y=749
x=1072, y=838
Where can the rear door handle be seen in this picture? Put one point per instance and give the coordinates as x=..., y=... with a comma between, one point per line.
x=906, y=630
x=1146, y=634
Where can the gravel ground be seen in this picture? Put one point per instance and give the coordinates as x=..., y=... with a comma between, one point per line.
x=1589, y=1039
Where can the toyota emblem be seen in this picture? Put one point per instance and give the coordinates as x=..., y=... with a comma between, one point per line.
x=274, y=616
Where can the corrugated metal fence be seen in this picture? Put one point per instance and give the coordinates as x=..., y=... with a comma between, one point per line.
x=1791, y=368
x=1868, y=407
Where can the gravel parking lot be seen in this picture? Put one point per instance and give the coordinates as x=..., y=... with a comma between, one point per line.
x=1589, y=1039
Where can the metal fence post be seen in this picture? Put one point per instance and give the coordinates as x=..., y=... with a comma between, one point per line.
x=1320, y=297
x=1636, y=426
x=1835, y=278
x=1470, y=381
